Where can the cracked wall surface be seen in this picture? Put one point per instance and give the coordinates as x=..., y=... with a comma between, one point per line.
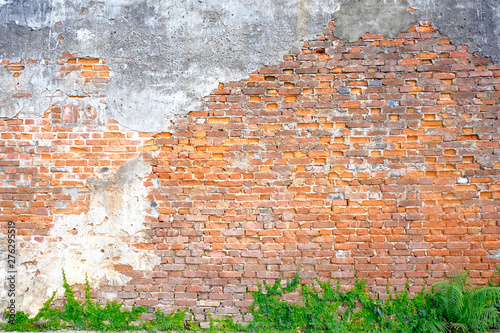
x=91, y=244
x=178, y=153
x=187, y=48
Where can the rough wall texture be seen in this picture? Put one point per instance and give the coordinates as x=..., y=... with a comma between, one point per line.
x=474, y=23
x=377, y=157
x=185, y=49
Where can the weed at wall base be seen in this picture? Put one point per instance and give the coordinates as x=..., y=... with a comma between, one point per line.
x=449, y=306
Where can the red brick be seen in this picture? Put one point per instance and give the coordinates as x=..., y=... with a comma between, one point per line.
x=368, y=162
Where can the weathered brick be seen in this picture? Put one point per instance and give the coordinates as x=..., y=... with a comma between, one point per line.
x=380, y=163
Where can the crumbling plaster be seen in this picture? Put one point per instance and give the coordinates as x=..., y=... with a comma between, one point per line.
x=475, y=23
x=166, y=55
x=89, y=244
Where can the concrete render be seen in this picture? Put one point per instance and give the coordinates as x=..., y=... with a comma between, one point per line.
x=166, y=55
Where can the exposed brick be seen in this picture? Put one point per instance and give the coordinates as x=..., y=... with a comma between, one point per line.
x=373, y=162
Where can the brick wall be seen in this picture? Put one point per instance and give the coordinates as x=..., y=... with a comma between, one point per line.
x=378, y=158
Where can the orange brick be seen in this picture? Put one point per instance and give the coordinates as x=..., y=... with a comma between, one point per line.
x=353, y=104
x=436, y=123
x=427, y=55
x=88, y=61
x=89, y=74
x=222, y=120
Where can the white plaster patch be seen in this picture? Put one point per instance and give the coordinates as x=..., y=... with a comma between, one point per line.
x=342, y=254
x=42, y=86
x=84, y=35
x=34, y=81
x=91, y=243
x=494, y=254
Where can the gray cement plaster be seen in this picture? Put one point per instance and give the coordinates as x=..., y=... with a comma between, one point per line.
x=475, y=23
x=165, y=55
x=357, y=17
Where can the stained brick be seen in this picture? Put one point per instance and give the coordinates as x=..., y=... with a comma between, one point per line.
x=384, y=165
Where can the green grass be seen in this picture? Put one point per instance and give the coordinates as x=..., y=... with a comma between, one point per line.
x=452, y=305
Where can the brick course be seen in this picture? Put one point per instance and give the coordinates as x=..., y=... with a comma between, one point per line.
x=378, y=159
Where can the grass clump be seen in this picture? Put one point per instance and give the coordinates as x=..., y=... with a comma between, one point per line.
x=89, y=316
x=452, y=305
x=328, y=309
x=467, y=308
